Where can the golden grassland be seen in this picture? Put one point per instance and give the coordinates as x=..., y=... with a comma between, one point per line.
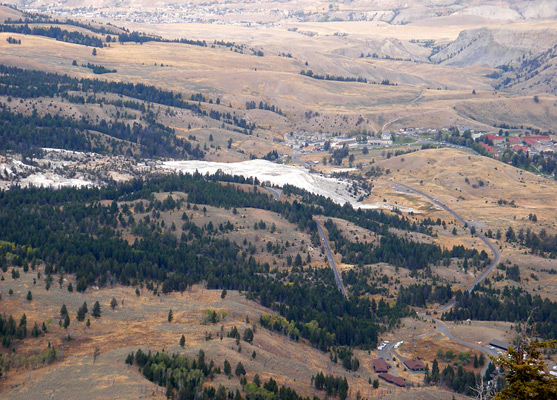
x=426, y=94
x=442, y=174
x=277, y=230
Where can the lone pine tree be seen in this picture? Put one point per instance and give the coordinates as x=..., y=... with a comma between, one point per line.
x=96, y=310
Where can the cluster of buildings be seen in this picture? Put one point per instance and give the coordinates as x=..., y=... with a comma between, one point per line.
x=309, y=142
x=411, y=131
x=541, y=144
x=385, y=140
x=381, y=368
x=313, y=141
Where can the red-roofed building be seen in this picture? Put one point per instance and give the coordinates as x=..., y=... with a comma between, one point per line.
x=395, y=380
x=380, y=366
x=496, y=139
x=532, y=140
x=518, y=148
x=513, y=140
x=489, y=148
x=415, y=365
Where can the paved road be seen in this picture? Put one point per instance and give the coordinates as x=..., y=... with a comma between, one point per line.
x=494, y=250
x=274, y=191
x=441, y=327
x=296, y=159
x=329, y=253
x=387, y=352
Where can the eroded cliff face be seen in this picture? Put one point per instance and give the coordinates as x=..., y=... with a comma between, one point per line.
x=495, y=47
x=524, y=59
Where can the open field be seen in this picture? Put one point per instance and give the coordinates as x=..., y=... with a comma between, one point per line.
x=427, y=348
x=442, y=174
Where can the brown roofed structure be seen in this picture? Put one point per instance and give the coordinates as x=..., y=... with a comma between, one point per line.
x=395, y=380
x=380, y=365
x=415, y=365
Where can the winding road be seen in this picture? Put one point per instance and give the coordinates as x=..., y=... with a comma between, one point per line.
x=329, y=253
x=387, y=351
x=496, y=255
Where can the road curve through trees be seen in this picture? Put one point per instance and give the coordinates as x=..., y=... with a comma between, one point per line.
x=276, y=192
x=387, y=351
x=329, y=253
x=494, y=250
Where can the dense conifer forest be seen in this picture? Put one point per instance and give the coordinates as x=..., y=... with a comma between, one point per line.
x=511, y=304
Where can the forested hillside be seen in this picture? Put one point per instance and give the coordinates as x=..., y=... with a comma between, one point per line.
x=75, y=231
x=134, y=131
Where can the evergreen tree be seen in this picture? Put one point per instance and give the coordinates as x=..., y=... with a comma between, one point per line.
x=182, y=341
x=240, y=370
x=319, y=381
x=63, y=310
x=435, y=372
x=343, y=389
x=66, y=321
x=113, y=303
x=427, y=377
x=227, y=368
x=29, y=296
x=170, y=316
x=96, y=310
x=248, y=335
x=81, y=312
x=525, y=372
x=35, y=332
